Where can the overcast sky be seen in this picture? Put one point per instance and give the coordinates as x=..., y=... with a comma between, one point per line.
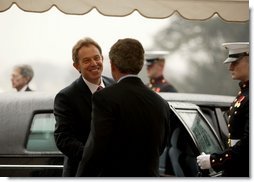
x=50, y=36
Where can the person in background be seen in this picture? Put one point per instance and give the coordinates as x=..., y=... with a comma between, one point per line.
x=21, y=77
x=130, y=122
x=73, y=105
x=234, y=161
x=155, y=62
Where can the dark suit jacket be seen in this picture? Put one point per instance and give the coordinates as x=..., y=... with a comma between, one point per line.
x=129, y=130
x=72, y=109
x=28, y=89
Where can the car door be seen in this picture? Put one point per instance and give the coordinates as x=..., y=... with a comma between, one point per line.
x=191, y=135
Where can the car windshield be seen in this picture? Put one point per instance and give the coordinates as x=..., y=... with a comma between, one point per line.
x=201, y=131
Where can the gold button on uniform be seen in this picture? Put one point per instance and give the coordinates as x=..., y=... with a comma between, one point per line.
x=229, y=142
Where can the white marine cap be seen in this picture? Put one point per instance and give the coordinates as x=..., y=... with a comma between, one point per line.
x=153, y=56
x=236, y=50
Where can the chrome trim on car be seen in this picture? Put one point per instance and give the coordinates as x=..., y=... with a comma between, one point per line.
x=31, y=166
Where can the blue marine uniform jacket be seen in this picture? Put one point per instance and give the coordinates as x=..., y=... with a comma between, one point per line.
x=234, y=161
x=161, y=85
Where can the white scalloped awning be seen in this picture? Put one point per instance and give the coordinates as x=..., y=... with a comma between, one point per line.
x=229, y=10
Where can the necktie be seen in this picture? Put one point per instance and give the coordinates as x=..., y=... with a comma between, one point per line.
x=99, y=88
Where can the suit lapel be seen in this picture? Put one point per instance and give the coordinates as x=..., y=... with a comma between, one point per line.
x=107, y=82
x=85, y=92
x=82, y=85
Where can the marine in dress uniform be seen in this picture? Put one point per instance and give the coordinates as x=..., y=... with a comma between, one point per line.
x=155, y=62
x=234, y=161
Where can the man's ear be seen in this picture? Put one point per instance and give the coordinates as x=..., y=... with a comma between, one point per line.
x=113, y=67
x=76, y=66
x=114, y=71
x=28, y=79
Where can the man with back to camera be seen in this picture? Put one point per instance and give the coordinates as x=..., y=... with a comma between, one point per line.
x=21, y=77
x=130, y=122
x=73, y=105
x=155, y=63
x=234, y=161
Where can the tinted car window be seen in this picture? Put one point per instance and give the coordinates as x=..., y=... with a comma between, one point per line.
x=41, y=135
x=207, y=141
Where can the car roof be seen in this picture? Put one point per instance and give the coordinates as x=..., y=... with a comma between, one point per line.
x=17, y=109
x=198, y=99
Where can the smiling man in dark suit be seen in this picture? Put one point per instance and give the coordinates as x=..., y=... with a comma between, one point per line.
x=130, y=122
x=73, y=105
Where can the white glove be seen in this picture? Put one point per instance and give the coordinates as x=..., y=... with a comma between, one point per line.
x=203, y=161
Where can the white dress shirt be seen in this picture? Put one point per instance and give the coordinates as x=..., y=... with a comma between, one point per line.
x=93, y=87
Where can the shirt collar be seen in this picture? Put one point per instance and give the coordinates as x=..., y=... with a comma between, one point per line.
x=93, y=87
x=244, y=85
x=126, y=76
